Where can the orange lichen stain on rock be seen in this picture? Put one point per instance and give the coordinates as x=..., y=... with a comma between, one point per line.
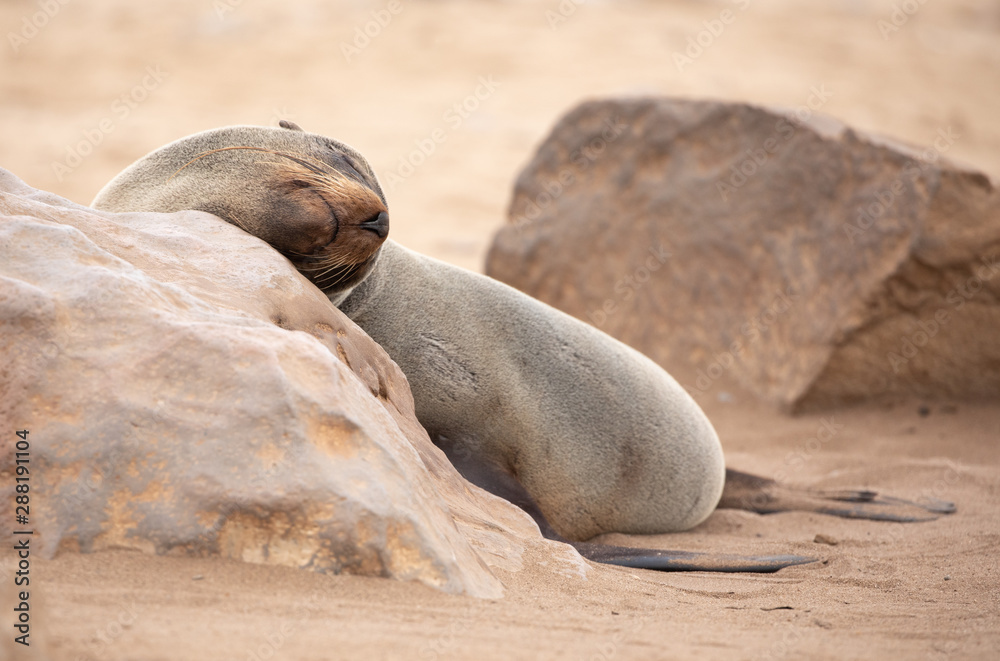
x=119, y=525
x=207, y=519
x=296, y=542
x=119, y=508
x=406, y=558
x=133, y=468
x=140, y=466
x=363, y=534
x=335, y=436
x=362, y=551
x=243, y=537
x=342, y=354
x=277, y=538
x=45, y=408
x=370, y=376
x=156, y=491
x=71, y=472
x=68, y=545
x=67, y=416
x=270, y=454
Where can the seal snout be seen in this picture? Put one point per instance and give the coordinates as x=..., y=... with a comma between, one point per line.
x=379, y=224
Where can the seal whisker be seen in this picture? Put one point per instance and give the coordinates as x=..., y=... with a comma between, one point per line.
x=338, y=274
x=335, y=267
x=331, y=261
x=235, y=220
x=347, y=272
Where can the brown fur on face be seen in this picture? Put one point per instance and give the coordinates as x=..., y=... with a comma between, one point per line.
x=350, y=202
x=318, y=224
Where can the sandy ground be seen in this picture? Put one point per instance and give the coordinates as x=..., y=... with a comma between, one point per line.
x=886, y=590
x=101, y=83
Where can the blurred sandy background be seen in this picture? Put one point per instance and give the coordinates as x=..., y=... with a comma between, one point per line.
x=224, y=62
x=101, y=83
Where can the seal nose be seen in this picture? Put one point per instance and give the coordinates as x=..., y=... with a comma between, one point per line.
x=378, y=224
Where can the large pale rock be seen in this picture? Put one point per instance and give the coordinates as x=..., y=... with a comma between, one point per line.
x=813, y=263
x=187, y=391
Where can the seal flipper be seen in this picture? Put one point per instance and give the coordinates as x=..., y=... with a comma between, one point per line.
x=764, y=496
x=502, y=483
x=641, y=558
x=663, y=560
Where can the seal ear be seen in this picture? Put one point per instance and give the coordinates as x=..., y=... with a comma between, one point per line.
x=291, y=126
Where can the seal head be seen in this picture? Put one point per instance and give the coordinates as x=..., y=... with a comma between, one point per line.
x=314, y=199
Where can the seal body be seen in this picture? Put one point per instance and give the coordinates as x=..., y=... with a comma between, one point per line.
x=517, y=393
x=602, y=438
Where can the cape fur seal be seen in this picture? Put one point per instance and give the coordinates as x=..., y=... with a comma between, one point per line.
x=582, y=431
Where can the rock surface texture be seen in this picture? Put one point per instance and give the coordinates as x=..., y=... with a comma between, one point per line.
x=187, y=391
x=814, y=264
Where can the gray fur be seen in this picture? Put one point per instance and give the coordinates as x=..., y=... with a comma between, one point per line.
x=602, y=438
